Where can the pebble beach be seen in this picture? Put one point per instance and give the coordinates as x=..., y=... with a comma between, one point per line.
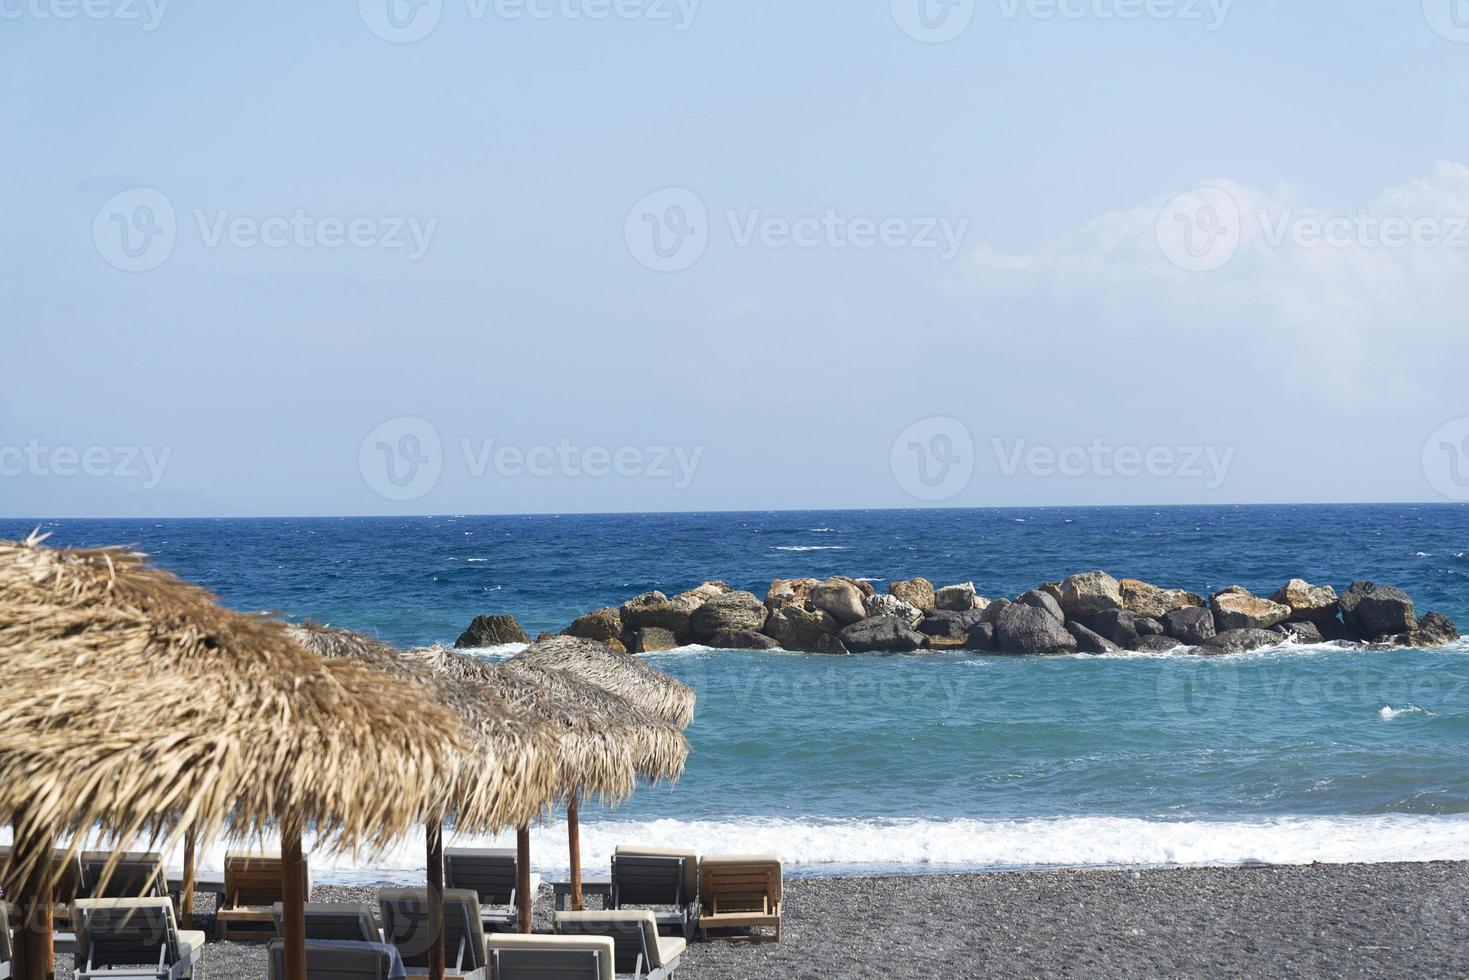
x=1349, y=920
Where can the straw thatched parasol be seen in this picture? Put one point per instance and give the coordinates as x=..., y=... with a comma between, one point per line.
x=140, y=708
x=585, y=712
x=617, y=672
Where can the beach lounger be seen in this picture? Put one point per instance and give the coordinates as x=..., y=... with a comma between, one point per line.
x=7, y=955
x=654, y=880
x=336, y=922
x=252, y=886
x=516, y=957
x=136, y=874
x=690, y=876
x=133, y=938
x=66, y=870
x=740, y=891
x=491, y=874
x=405, y=925
x=334, y=960
x=638, y=950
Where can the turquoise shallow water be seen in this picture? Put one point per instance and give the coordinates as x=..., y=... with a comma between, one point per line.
x=958, y=760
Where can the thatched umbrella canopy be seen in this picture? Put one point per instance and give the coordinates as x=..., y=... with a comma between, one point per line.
x=140, y=708
x=620, y=673
x=590, y=716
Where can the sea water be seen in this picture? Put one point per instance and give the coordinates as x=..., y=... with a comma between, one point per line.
x=937, y=762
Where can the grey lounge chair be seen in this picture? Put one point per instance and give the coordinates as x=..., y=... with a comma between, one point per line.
x=405, y=925
x=491, y=874
x=638, y=950
x=336, y=922
x=333, y=960
x=516, y=957
x=136, y=874
x=135, y=938
x=641, y=880
x=6, y=955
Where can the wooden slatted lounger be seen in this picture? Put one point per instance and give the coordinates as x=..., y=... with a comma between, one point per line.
x=252, y=886
x=740, y=891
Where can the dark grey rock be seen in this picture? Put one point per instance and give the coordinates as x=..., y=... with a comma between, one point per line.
x=982, y=637
x=881, y=633
x=1043, y=600
x=1030, y=628
x=1191, y=624
x=1302, y=632
x=1242, y=640
x=796, y=628
x=1088, y=641
x=1154, y=643
x=655, y=609
x=1434, y=630
x=950, y=624
x=491, y=631
x=831, y=645
x=742, y=640
x=1384, y=611
x=1121, y=627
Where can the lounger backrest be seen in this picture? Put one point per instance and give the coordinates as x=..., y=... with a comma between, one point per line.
x=254, y=879
x=405, y=925
x=540, y=957
x=489, y=872
x=325, y=961
x=126, y=931
x=690, y=864
x=336, y=921
x=643, y=880
x=136, y=874
x=740, y=884
x=6, y=954
x=634, y=933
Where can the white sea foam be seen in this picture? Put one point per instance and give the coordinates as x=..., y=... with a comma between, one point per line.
x=821, y=530
x=497, y=652
x=827, y=846
x=1389, y=713
x=810, y=547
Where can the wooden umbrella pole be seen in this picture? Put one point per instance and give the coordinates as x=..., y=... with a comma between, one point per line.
x=34, y=894
x=435, y=900
x=523, y=896
x=186, y=894
x=293, y=895
x=573, y=840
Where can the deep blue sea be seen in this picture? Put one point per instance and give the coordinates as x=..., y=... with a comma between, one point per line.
x=940, y=762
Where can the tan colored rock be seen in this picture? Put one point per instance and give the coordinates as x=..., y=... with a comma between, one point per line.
x=789, y=592
x=1308, y=603
x=692, y=599
x=891, y=605
x=841, y=598
x=956, y=598
x=651, y=639
x=796, y=628
x=1088, y=594
x=1149, y=600
x=917, y=592
x=601, y=625
x=1242, y=611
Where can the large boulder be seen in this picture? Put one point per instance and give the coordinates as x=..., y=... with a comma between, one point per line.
x=831, y=645
x=891, y=605
x=600, y=625
x=917, y=592
x=1241, y=640
x=1089, y=593
x=789, y=592
x=742, y=640
x=944, y=622
x=1042, y=600
x=1027, y=628
x=1089, y=642
x=797, y=628
x=1375, y=611
x=491, y=631
x=887, y=634
x=1242, y=611
x=993, y=609
x=956, y=598
x=1120, y=626
x=982, y=637
x=1308, y=603
x=1304, y=632
x=841, y=598
x=1154, y=643
x=655, y=609
x=1434, y=630
x=730, y=611
x=1190, y=624
x=651, y=639
x=1146, y=599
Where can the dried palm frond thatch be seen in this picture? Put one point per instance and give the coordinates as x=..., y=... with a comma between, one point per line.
x=620, y=673
x=512, y=771
x=136, y=707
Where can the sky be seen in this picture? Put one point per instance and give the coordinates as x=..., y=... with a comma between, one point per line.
x=504, y=256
